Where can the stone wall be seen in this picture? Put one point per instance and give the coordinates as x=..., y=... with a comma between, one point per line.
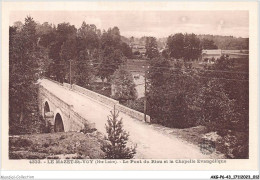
x=101, y=98
x=66, y=85
x=111, y=103
x=132, y=113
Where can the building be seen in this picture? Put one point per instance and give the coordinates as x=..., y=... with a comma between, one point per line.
x=210, y=54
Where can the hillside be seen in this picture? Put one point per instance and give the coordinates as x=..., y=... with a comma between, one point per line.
x=56, y=146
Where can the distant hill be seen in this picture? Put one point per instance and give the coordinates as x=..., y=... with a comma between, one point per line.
x=222, y=42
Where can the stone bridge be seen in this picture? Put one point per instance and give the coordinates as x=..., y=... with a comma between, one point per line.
x=70, y=108
x=60, y=114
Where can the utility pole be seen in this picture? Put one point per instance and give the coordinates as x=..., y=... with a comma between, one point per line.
x=70, y=74
x=145, y=98
x=145, y=93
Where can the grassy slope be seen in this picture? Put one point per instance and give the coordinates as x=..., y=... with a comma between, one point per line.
x=56, y=145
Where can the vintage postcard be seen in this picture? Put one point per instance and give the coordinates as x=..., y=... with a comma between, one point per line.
x=130, y=86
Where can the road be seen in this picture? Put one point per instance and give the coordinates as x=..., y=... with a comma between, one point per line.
x=151, y=143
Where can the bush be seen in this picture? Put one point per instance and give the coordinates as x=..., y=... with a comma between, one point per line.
x=87, y=129
x=137, y=105
x=234, y=145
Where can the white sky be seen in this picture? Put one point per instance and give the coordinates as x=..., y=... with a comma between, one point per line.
x=149, y=23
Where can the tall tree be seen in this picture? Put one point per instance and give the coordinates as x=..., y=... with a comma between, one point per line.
x=111, y=56
x=192, y=49
x=85, y=70
x=24, y=69
x=65, y=39
x=175, y=45
x=88, y=38
x=151, y=47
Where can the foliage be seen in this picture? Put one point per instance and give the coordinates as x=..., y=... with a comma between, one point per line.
x=24, y=67
x=116, y=147
x=217, y=110
x=228, y=81
x=185, y=46
x=169, y=94
x=151, y=47
x=84, y=71
x=207, y=44
x=234, y=145
x=123, y=85
x=227, y=42
x=137, y=104
x=192, y=49
x=110, y=56
x=175, y=44
x=87, y=129
x=126, y=50
x=181, y=96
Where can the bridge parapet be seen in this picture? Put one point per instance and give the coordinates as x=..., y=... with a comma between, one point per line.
x=101, y=98
x=132, y=113
x=66, y=85
x=111, y=103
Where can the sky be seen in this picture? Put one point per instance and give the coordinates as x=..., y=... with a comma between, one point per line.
x=149, y=23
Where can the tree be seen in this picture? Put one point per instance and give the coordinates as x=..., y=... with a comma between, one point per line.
x=192, y=49
x=24, y=71
x=208, y=44
x=117, y=137
x=126, y=50
x=151, y=47
x=175, y=45
x=217, y=109
x=185, y=46
x=170, y=92
x=85, y=70
x=111, y=56
x=231, y=78
x=88, y=38
x=65, y=36
x=123, y=85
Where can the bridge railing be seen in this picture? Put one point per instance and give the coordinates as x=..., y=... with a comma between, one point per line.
x=66, y=85
x=132, y=113
x=111, y=102
x=96, y=96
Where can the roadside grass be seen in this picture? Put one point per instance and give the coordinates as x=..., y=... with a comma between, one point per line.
x=69, y=145
x=233, y=145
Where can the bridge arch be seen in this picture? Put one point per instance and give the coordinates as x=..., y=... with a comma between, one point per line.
x=58, y=123
x=46, y=107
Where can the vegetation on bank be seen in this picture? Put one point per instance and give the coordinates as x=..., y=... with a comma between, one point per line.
x=69, y=145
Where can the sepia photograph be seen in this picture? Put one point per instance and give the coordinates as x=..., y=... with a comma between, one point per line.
x=129, y=86
x=83, y=85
